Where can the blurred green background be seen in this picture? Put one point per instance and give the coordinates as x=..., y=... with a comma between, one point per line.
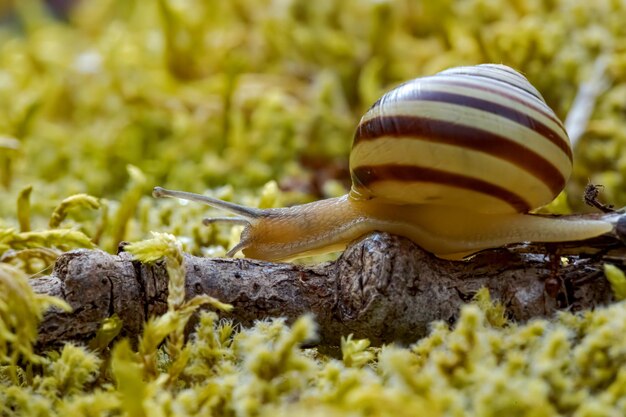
x=257, y=100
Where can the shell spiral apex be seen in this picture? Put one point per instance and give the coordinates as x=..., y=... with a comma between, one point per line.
x=479, y=137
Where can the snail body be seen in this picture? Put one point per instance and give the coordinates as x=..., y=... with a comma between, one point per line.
x=453, y=161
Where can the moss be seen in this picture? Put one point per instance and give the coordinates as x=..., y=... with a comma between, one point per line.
x=617, y=279
x=255, y=102
x=572, y=366
x=20, y=312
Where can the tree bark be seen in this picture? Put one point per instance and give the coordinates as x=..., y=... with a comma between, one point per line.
x=383, y=287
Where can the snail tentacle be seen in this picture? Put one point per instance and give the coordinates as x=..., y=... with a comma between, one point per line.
x=244, y=211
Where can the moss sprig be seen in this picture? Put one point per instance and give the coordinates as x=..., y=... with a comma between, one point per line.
x=71, y=203
x=63, y=239
x=21, y=310
x=617, y=279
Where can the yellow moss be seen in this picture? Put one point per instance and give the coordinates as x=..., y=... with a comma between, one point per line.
x=162, y=245
x=494, y=311
x=63, y=239
x=23, y=209
x=252, y=101
x=172, y=324
x=617, y=279
x=539, y=369
x=355, y=353
x=109, y=329
x=128, y=204
x=21, y=309
x=69, y=372
x=71, y=203
x=34, y=261
x=129, y=378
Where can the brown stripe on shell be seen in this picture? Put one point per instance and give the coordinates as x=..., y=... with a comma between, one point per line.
x=367, y=175
x=539, y=109
x=521, y=118
x=420, y=128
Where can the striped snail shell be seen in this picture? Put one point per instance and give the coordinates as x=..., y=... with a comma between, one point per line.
x=480, y=137
x=453, y=161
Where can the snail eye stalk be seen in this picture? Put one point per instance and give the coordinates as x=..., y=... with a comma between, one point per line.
x=248, y=213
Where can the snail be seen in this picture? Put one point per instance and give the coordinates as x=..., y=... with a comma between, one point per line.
x=454, y=161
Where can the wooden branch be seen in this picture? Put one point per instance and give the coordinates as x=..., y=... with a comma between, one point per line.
x=383, y=287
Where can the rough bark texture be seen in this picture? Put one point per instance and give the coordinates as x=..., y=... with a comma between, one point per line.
x=383, y=287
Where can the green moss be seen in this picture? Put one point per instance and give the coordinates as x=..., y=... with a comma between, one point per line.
x=617, y=279
x=573, y=366
x=256, y=102
x=20, y=312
